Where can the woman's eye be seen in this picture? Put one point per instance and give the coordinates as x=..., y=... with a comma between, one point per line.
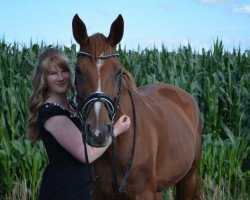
x=52, y=73
x=65, y=71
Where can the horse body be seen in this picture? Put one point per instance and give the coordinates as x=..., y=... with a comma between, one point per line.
x=168, y=131
x=176, y=129
x=166, y=150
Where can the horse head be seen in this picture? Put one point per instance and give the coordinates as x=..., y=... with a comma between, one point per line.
x=98, y=79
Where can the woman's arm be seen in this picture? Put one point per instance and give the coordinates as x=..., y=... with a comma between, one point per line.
x=69, y=136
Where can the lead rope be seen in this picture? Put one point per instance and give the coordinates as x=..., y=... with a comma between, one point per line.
x=91, y=172
x=129, y=166
x=113, y=159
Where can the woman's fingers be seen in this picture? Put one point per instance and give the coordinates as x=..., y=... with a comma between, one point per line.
x=124, y=119
x=122, y=124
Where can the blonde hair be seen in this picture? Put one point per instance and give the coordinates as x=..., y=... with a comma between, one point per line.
x=47, y=58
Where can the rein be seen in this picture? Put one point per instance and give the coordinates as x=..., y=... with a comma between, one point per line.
x=83, y=108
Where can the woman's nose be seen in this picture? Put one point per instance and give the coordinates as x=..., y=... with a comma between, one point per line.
x=60, y=76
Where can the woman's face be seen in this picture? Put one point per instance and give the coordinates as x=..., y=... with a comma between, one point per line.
x=58, y=80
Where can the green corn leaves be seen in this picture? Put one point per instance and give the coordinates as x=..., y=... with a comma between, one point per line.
x=218, y=79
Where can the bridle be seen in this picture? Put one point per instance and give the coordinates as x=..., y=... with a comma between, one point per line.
x=83, y=107
x=112, y=106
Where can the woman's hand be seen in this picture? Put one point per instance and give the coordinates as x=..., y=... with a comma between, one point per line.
x=121, y=125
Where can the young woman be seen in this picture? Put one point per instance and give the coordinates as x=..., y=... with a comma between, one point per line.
x=56, y=123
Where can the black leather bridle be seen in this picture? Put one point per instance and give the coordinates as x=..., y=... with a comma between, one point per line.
x=84, y=106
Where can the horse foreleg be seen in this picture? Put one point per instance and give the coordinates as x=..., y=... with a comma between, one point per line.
x=159, y=196
x=150, y=196
x=187, y=188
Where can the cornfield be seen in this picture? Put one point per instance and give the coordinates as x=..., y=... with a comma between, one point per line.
x=218, y=79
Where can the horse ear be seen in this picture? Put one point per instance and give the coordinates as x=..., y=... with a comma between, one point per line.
x=116, y=31
x=79, y=30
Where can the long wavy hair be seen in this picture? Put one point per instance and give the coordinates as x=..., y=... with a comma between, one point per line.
x=47, y=58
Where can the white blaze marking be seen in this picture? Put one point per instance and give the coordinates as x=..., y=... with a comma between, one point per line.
x=97, y=105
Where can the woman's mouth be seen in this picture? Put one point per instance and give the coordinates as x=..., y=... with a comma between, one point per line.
x=61, y=84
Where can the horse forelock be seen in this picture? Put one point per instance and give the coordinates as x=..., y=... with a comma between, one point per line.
x=99, y=45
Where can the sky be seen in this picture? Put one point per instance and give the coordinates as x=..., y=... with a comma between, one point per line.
x=147, y=23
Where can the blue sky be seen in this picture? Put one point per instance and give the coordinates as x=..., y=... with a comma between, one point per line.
x=147, y=22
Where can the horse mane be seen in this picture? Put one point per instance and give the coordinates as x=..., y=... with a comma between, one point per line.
x=129, y=79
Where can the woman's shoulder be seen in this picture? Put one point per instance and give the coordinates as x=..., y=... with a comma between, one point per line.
x=51, y=106
x=53, y=109
x=48, y=110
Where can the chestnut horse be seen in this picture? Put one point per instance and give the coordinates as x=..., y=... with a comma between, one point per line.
x=167, y=149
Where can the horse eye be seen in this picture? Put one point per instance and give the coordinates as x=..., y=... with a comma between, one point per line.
x=118, y=74
x=77, y=70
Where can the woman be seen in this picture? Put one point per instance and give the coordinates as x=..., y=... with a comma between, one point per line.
x=56, y=123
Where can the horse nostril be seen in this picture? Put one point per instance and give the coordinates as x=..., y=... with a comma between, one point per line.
x=106, y=128
x=96, y=131
x=93, y=130
x=97, y=135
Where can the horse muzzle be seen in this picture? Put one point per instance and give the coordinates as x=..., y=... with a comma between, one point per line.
x=97, y=135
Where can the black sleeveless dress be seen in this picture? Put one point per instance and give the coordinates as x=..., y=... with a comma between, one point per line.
x=64, y=178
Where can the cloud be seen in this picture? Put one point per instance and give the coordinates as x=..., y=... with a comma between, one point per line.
x=232, y=5
x=213, y=2
x=244, y=9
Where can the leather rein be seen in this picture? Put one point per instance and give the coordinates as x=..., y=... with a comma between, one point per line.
x=112, y=107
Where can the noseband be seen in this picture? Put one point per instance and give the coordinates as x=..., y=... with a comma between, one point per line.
x=112, y=105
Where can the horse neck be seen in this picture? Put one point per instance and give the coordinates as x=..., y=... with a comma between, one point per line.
x=129, y=94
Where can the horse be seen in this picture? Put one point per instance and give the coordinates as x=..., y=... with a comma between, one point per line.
x=162, y=146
